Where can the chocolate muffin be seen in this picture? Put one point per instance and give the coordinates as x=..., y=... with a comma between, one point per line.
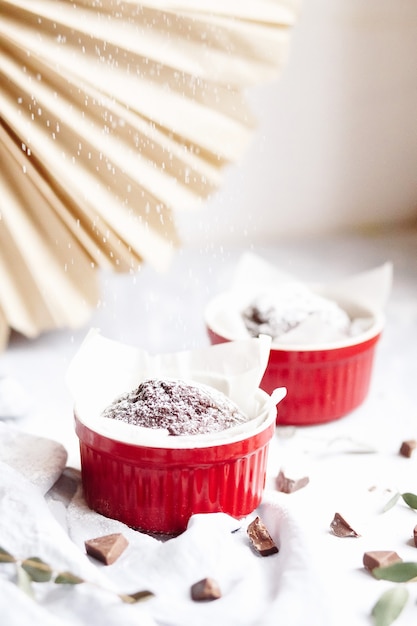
x=277, y=313
x=180, y=408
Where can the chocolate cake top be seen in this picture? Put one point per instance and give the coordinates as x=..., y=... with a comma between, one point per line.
x=275, y=314
x=180, y=408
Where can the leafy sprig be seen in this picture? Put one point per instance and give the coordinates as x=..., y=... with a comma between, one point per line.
x=409, y=498
x=391, y=603
x=399, y=572
x=389, y=606
x=35, y=570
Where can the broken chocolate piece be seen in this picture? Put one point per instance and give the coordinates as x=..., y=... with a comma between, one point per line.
x=341, y=528
x=408, y=447
x=380, y=558
x=205, y=589
x=107, y=548
x=260, y=538
x=289, y=485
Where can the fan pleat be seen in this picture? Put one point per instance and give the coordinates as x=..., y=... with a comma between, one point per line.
x=115, y=114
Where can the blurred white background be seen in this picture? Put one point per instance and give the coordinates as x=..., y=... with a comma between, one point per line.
x=336, y=144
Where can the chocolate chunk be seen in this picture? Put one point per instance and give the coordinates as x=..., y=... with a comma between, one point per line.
x=260, y=538
x=408, y=447
x=380, y=558
x=289, y=485
x=205, y=589
x=107, y=548
x=341, y=528
x=415, y=535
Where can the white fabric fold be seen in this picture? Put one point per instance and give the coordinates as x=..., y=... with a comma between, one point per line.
x=38, y=459
x=281, y=588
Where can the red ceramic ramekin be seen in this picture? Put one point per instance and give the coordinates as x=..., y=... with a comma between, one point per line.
x=324, y=382
x=157, y=489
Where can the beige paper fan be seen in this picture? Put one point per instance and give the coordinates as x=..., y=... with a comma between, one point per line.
x=114, y=115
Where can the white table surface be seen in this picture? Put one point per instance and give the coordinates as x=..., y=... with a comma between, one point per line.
x=164, y=313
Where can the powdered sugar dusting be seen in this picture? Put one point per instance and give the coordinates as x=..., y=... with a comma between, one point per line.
x=179, y=407
x=277, y=313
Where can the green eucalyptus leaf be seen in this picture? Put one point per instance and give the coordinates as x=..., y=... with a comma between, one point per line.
x=389, y=606
x=392, y=502
x=6, y=557
x=139, y=596
x=24, y=581
x=37, y=570
x=410, y=499
x=66, y=578
x=399, y=572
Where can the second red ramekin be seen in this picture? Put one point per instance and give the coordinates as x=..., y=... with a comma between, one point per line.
x=324, y=382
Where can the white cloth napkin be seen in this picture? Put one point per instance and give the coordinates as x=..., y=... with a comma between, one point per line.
x=38, y=459
x=53, y=525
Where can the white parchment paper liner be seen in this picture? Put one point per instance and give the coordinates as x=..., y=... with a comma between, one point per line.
x=363, y=296
x=103, y=369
